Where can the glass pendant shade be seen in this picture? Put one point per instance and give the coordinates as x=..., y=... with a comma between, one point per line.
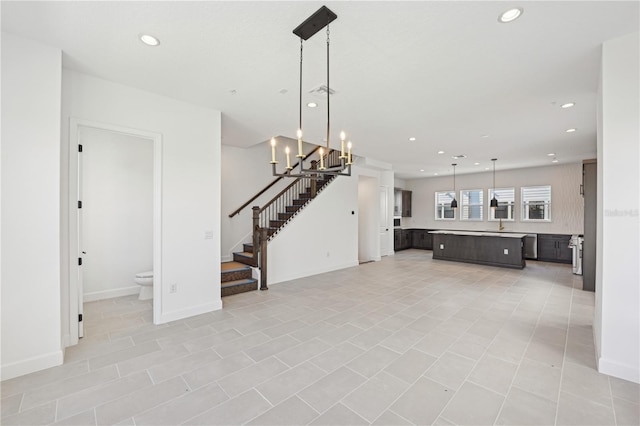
x=454, y=202
x=494, y=202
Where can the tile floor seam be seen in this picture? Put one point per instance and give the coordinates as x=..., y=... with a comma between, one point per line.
x=402, y=417
x=519, y=364
x=563, y=359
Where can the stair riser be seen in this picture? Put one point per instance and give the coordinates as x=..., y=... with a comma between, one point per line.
x=243, y=288
x=242, y=259
x=284, y=216
x=236, y=275
x=248, y=248
x=292, y=209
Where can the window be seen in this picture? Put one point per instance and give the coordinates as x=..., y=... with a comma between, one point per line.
x=471, y=204
x=506, y=204
x=443, y=206
x=536, y=203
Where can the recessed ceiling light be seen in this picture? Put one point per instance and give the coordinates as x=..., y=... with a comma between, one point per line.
x=485, y=136
x=435, y=174
x=440, y=152
x=567, y=105
x=551, y=154
x=459, y=156
x=412, y=139
x=422, y=170
x=476, y=164
x=312, y=104
x=510, y=15
x=486, y=168
x=149, y=40
x=571, y=130
x=555, y=160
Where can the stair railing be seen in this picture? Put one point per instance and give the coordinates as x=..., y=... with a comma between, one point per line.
x=266, y=188
x=270, y=213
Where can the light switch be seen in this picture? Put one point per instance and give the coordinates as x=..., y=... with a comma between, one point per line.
x=441, y=246
x=506, y=251
x=208, y=235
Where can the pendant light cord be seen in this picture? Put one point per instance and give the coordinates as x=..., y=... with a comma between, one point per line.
x=300, y=106
x=328, y=97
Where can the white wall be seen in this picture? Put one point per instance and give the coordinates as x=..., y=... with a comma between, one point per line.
x=567, y=205
x=617, y=318
x=322, y=238
x=245, y=171
x=30, y=206
x=190, y=182
x=117, y=211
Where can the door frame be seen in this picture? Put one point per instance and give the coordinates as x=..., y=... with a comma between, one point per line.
x=75, y=283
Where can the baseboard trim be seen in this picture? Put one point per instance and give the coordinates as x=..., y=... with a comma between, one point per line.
x=331, y=268
x=31, y=365
x=110, y=294
x=189, y=312
x=616, y=369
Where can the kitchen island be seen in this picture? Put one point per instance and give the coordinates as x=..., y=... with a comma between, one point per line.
x=485, y=248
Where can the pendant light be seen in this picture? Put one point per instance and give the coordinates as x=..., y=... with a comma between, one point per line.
x=337, y=163
x=494, y=201
x=454, y=203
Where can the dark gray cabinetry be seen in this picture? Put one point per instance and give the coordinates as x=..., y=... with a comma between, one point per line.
x=589, y=191
x=554, y=248
x=406, y=203
x=482, y=249
x=422, y=239
x=402, y=239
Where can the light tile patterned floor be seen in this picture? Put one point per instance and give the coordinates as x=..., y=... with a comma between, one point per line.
x=407, y=340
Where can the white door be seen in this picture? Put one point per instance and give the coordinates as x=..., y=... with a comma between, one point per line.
x=384, y=220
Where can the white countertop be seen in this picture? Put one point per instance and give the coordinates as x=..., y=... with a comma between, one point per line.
x=481, y=234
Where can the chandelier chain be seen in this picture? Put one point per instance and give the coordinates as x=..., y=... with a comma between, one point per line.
x=328, y=96
x=300, y=103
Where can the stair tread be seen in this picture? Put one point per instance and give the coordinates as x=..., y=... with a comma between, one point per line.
x=233, y=266
x=244, y=253
x=238, y=282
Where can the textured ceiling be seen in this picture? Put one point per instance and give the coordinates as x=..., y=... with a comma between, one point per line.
x=447, y=73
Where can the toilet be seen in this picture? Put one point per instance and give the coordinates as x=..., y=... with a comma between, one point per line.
x=145, y=280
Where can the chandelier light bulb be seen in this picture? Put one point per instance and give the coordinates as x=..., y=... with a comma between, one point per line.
x=273, y=151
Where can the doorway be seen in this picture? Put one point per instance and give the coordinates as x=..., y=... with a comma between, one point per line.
x=117, y=216
x=368, y=219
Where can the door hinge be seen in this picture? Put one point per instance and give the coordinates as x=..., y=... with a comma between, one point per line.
x=79, y=261
x=79, y=317
x=79, y=204
x=79, y=148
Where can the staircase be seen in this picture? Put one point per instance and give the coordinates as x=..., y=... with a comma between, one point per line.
x=267, y=222
x=237, y=275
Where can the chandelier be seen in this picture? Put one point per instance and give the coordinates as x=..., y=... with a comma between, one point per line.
x=329, y=162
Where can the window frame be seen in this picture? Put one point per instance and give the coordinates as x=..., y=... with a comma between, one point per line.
x=442, y=206
x=526, y=204
x=468, y=205
x=512, y=204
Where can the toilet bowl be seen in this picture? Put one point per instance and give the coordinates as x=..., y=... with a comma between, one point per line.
x=145, y=281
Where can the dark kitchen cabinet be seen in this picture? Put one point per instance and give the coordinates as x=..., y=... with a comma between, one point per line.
x=402, y=239
x=554, y=248
x=589, y=192
x=422, y=239
x=406, y=203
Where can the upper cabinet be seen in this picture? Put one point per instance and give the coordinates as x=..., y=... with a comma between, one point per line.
x=406, y=203
x=402, y=203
